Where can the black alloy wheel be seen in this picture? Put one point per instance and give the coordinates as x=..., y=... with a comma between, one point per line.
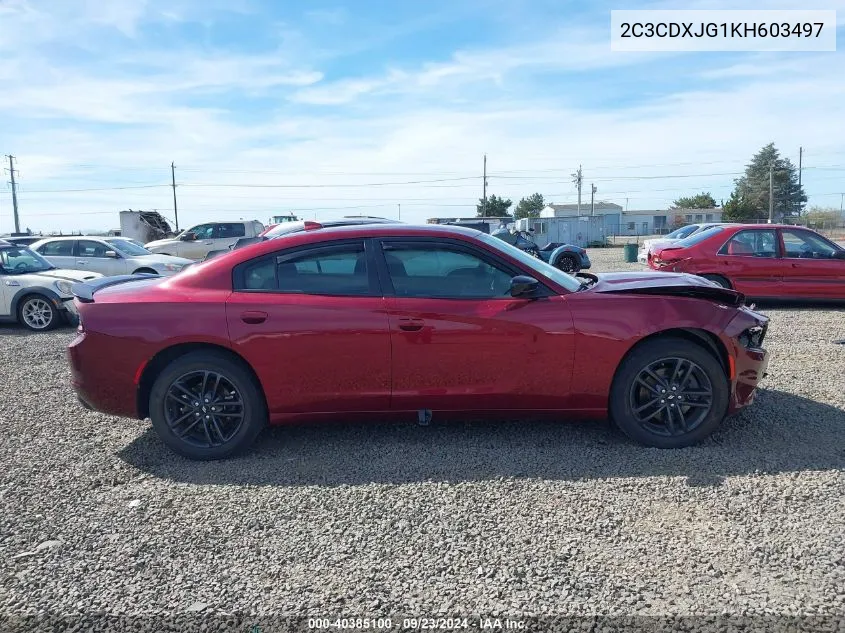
x=567, y=264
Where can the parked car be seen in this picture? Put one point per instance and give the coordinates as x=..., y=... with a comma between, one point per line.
x=107, y=255
x=33, y=292
x=763, y=261
x=198, y=240
x=566, y=257
x=398, y=320
x=671, y=238
x=22, y=240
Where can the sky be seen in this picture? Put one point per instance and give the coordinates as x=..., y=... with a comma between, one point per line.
x=329, y=108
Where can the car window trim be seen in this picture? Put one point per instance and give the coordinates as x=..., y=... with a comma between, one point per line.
x=543, y=289
x=283, y=255
x=778, y=245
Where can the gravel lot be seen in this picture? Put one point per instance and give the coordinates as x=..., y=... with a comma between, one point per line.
x=517, y=518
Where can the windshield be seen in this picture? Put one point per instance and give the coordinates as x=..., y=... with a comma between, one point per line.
x=19, y=260
x=547, y=270
x=684, y=231
x=699, y=237
x=128, y=248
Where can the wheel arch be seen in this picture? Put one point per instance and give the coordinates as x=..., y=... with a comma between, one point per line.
x=146, y=270
x=731, y=284
x=23, y=293
x=169, y=354
x=703, y=338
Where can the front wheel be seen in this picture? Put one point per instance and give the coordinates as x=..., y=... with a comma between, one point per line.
x=718, y=279
x=38, y=313
x=669, y=393
x=568, y=264
x=206, y=405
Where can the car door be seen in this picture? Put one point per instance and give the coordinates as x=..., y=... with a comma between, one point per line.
x=812, y=266
x=460, y=342
x=750, y=259
x=59, y=253
x=202, y=244
x=312, y=323
x=91, y=255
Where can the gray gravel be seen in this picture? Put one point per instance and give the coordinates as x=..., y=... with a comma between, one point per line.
x=518, y=518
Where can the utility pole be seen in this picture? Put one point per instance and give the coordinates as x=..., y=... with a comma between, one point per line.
x=771, y=192
x=14, y=192
x=400, y=211
x=593, y=190
x=800, y=169
x=484, y=195
x=173, y=184
x=577, y=178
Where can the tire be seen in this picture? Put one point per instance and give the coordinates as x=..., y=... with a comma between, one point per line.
x=568, y=264
x=200, y=439
x=661, y=356
x=722, y=281
x=37, y=313
x=145, y=271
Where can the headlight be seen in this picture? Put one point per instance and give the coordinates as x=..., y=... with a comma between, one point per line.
x=174, y=268
x=64, y=287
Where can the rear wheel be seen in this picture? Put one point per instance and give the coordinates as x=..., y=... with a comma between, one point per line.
x=669, y=393
x=568, y=264
x=38, y=313
x=206, y=405
x=718, y=279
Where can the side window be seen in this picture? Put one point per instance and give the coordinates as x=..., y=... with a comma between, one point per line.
x=804, y=244
x=203, y=231
x=334, y=271
x=434, y=270
x=751, y=243
x=59, y=248
x=88, y=248
x=230, y=230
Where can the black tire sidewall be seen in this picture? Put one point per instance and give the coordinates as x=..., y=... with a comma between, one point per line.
x=255, y=414
x=53, y=310
x=648, y=353
x=722, y=281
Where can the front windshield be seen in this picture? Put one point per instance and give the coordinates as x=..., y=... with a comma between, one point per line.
x=19, y=260
x=692, y=240
x=681, y=233
x=128, y=248
x=547, y=270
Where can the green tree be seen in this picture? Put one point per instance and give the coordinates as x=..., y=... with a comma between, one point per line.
x=752, y=189
x=699, y=201
x=738, y=208
x=529, y=207
x=495, y=208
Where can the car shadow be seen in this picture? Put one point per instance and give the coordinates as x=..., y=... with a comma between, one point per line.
x=780, y=433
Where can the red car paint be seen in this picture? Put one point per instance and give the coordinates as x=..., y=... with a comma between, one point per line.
x=316, y=356
x=790, y=263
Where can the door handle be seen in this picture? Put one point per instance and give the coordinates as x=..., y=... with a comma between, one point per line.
x=410, y=325
x=253, y=317
x=83, y=263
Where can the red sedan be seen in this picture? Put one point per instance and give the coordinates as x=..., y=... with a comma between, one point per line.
x=403, y=321
x=765, y=261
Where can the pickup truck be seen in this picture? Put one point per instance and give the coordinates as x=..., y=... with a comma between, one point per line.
x=196, y=242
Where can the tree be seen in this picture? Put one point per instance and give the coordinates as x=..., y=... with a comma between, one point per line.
x=699, y=201
x=823, y=217
x=529, y=207
x=496, y=207
x=738, y=209
x=751, y=191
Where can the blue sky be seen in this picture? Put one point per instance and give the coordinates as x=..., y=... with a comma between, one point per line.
x=267, y=107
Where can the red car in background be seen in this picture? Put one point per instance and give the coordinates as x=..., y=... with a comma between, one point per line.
x=397, y=320
x=764, y=261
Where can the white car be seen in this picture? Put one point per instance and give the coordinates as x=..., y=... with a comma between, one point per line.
x=107, y=255
x=33, y=292
x=201, y=239
x=670, y=238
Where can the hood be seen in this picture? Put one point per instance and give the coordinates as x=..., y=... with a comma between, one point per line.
x=63, y=274
x=666, y=284
x=155, y=258
x=155, y=243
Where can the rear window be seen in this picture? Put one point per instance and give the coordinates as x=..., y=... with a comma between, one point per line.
x=699, y=237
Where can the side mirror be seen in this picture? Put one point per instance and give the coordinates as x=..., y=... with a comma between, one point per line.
x=189, y=237
x=523, y=286
x=111, y=254
x=839, y=255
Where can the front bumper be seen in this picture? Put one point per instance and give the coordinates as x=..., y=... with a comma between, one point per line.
x=750, y=365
